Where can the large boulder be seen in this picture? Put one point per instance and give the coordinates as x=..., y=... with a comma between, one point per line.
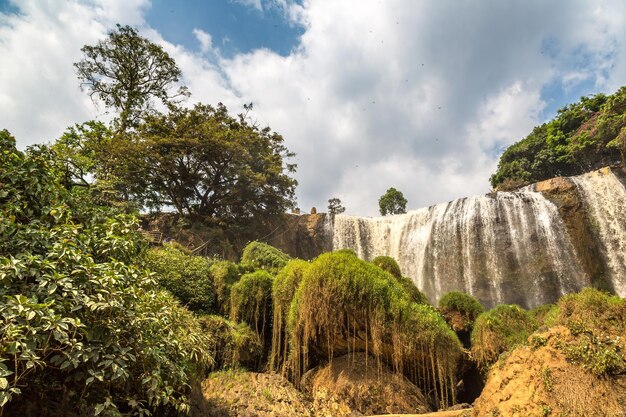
x=354, y=385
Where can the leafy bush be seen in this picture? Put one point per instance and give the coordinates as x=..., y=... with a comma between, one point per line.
x=231, y=344
x=81, y=329
x=344, y=305
x=186, y=276
x=499, y=330
x=251, y=302
x=224, y=274
x=263, y=256
x=460, y=310
x=347, y=251
x=387, y=263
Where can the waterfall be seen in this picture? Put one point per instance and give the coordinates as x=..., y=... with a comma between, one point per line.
x=605, y=197
x=508, y=247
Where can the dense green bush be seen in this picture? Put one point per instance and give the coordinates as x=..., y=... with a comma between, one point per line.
x=581, y=137
x=387, y=263
x=81, y=329
x=460, y=310
x=224, y=274
x=263, y=256
x=232, y=345
x=251, y=302
x=186, y=276
x=344, y=304
x=499, y=330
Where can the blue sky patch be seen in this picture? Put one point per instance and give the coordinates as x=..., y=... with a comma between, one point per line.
x=234, y=27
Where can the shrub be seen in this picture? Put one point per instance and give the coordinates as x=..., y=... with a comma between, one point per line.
x=263, y=256
x=224, y=274
x=81, y=330
x=344, y=304
x=231, y=344
x=499, y=330
x=598, y=322
x=460, y=310
x=186, y=276
x=347, y=251
x=414, y=292
x=251, y=302
x=283, y=290
x=387, y=263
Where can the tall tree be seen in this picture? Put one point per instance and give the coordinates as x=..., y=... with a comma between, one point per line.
x=127, y=72
x=204, y=162
x=392, y=202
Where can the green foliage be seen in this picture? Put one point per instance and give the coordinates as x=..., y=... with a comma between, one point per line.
x=460, y=310
x=335, y=206
x=392, y=202
x=499, y=330
x=204, y=162
x=598, y=322
x=251, y=302
x=387, y=263
x=283, y=291
x=224, y=274
x=409, y=286
x=79, y=325
x=186, y=276
x=347, y=251
x=581, y=137
x=127, y=71
x=344, y=303
x=263, y=256
x=233, y=345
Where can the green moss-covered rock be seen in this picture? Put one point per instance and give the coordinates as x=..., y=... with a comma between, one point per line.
x=186, y=276
x=232, y=345
x=414, y=292
x=344, y=305
x=224, y=274
x=251, y=302
x=387, y=263
x=460, y=310
x=499, y=330
x=283, y=290
x=263, y=256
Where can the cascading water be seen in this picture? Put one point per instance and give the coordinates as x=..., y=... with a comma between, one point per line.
x=502, y=248
x=605, y=197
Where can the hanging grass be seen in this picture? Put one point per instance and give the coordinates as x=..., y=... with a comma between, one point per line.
x=224, y=274
x=263, y=256
x=283, y=290
x=346, y=305
x=251, y=302
x=387, y=263
x=460, y=310
x=499, y=330
x=233, y=345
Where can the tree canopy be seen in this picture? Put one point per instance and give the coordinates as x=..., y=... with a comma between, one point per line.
x=202, y=161
x=392, y=202
x=127, y=72
x=583, y=136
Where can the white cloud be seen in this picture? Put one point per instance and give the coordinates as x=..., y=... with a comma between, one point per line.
x=206, y=42
x=415, y=95
x=257, y=4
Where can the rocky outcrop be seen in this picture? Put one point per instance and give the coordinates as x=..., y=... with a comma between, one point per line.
x=564, y=194
x=302, y=236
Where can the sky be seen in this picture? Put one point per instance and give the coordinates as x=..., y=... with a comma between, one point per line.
x=421, y=95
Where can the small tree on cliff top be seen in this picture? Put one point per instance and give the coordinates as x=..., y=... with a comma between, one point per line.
x=335, y=206
x=392, y=202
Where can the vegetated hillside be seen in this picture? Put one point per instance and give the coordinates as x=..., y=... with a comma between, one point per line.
x=583, y=136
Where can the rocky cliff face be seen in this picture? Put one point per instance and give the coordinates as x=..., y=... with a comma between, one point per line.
x=526, y=247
